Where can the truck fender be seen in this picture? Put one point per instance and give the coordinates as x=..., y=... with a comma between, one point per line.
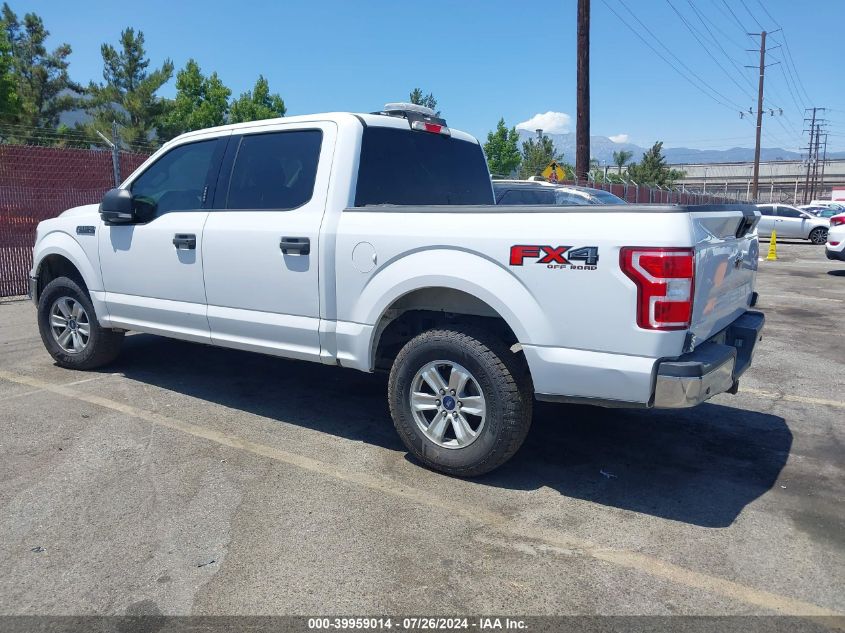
x=60, y=243
x=457, y=269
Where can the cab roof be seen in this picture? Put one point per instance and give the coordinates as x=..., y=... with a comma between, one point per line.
x=340, y=118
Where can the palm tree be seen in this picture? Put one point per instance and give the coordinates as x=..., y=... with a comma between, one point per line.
x=621, y=157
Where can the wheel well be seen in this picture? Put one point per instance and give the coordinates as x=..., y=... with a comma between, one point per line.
x=54, y=266
x=430, y=308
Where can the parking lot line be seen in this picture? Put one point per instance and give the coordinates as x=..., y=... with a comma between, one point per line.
x=66, y=384
x=773, y=395
x=623, y=558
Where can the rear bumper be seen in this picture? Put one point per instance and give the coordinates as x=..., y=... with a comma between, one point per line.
x=835, y=254
x=712, y=368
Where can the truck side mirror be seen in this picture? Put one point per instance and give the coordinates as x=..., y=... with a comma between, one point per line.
x=117, y=208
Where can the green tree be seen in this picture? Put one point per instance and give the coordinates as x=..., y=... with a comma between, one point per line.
x=620, y=158
x=42, y=85
x=536, y=155
x=502, y=150
x=9, y=104
x=652, y=169
x=257, y=104
x=417, y=97
x=200, y=102
x=128, y=95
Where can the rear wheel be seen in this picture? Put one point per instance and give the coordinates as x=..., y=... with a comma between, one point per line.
x=818, y=235
x=70, y=330
x=460, y=400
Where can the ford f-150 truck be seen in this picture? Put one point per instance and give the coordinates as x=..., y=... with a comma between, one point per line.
x=371, y=241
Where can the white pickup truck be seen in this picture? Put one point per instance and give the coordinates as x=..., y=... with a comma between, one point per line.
x=371, y=241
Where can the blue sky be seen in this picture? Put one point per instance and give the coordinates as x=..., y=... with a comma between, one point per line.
x=485, y=60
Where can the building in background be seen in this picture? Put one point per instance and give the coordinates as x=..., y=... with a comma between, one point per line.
x=780, y=181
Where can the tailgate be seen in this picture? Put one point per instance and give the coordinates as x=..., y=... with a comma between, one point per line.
x=725, y=267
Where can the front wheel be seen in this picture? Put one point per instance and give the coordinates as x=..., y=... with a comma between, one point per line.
x=70, y=330
x=460, y=400
x=818, y=235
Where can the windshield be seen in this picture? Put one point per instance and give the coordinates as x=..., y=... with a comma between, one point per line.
x=419, y=168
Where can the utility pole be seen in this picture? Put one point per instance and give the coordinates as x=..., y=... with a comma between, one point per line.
x=815, y=165
x=812, y=152
x=582, y=130
x=824, y=162
x=755, y=179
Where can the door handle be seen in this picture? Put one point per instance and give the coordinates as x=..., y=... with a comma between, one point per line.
x=292, y=245
x=185, y=241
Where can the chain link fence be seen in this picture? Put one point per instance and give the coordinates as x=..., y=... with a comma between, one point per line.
x=634, y=193
x=37, y=183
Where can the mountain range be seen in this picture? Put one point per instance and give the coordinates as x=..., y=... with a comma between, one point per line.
x=602, y=148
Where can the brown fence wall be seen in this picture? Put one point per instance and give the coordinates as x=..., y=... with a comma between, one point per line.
x=37, y=183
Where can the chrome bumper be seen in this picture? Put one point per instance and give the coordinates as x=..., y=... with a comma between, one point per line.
x=33, y=289
x=713, y=367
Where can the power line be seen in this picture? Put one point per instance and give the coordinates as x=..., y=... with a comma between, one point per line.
x=796, y=76
x=753, y=17
x=724, y=35
x=706, y=49
x=792, y=93
x=721, y=48
x=741, y=25
x=734, y=107
x=772, y=107
x=788, y=51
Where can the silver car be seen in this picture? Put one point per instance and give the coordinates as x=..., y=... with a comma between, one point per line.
x=522, y=192
x=790, y=222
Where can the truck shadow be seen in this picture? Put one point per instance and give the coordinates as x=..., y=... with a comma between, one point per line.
x=700, y=466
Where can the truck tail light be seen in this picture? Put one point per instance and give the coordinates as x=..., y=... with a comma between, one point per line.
x=665, y=282
x=434, y=128
x=836, y=220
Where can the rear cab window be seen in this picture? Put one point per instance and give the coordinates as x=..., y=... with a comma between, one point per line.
x=406, y=167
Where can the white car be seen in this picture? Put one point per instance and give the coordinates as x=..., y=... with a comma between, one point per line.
x=371, y=241
x=835, y=204
x=835, y=247
x=792, y=223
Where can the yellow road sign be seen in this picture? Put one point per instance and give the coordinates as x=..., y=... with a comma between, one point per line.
x=554, y=172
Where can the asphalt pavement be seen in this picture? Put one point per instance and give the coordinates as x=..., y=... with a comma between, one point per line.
x=185, y=479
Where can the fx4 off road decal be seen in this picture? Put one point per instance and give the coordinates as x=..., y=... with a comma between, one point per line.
x=560, y=257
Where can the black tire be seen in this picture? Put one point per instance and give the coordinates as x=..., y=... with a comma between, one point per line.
x=818, y=235
x=102, y=346
x=501, y=377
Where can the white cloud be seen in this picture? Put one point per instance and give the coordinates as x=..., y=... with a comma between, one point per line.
x=619, y=138
x=550, y=122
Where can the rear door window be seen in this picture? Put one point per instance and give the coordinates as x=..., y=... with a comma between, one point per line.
x=787, y=212
x=766, y=210
x=275, y=170
x=408, y=167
